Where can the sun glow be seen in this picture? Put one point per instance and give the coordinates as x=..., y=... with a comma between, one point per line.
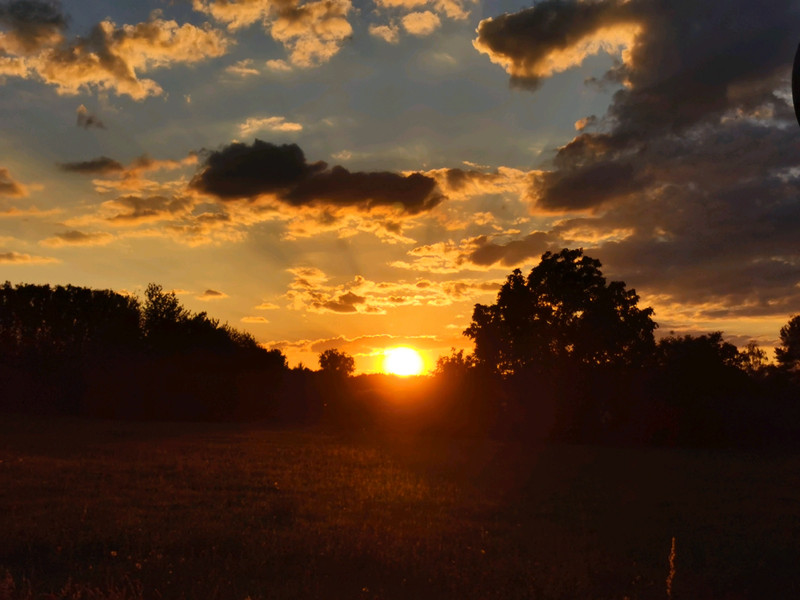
x=403, y=361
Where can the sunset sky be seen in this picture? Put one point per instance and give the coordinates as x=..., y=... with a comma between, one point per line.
x=357, y=175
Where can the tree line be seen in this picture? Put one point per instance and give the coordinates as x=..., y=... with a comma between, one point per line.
x=561, y=354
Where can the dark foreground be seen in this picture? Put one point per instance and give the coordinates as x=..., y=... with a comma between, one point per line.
x=104, y=510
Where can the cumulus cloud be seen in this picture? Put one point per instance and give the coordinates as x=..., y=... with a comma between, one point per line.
x=87, y=120
x=421, y=23
x=109, y=58
x=254, y=124
x=312, y=32
x=9, y=187
x=239, y=171
x=78, y=238
x=553, y=36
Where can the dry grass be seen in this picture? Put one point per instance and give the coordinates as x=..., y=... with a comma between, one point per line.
x=110, y=511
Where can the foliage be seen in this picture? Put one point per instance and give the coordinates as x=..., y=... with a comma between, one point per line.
x=456, y=364
x=337, y=363
x=563, y=313
x=788, y=353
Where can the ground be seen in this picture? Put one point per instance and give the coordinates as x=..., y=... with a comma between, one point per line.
x=126, y=510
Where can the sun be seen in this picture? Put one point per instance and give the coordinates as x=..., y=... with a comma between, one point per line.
x=402, y=361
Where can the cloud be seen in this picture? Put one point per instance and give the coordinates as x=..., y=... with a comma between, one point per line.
x=109, y=58
x=130, y=178
x=311, y=291
x=87, y=120
x=78, y=238
x=554, y=35
x=239, y=171
x=312, y=32
x=9, y=187
x=101, y=165
x=134, y=210
x=267, y=306
x=254, y=124
x=243, y=68
x=388, y=33
x=687, y=187
x=421, y=23
x=212, y=295
x=478, y=253
x=31, y=24
x=255, y=320
x=16, y=258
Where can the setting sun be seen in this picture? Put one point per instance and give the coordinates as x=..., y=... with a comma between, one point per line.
x=403, y=361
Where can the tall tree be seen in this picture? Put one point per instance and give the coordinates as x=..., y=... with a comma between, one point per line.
x=788, y=353
x=564, y=312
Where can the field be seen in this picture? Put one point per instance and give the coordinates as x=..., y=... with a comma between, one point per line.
x=107, y=510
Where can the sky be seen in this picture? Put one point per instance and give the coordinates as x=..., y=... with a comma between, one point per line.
x=358, y=174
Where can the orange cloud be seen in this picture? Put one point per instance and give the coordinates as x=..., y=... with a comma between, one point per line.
x=421, y=23
x=312, y=32
x=311, y=291
x=16, y=258
x=110, y=58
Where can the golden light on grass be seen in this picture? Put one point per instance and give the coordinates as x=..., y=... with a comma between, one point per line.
x=403, y=361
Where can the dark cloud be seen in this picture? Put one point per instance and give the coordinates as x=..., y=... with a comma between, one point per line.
x=587, y=187
x=512, y=253
x=682, y=61
x=32, y=23
x=100, y=165
x=87, y=120
x=346, y=303
x=549, y=37
x=691, y=179
x=240, y=171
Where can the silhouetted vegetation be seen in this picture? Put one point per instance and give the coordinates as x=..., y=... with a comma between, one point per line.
x=561, y=355
x=77, y=351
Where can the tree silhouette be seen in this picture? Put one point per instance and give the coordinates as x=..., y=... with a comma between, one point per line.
x=563, y=313
x=335, y=362
x=788, y=353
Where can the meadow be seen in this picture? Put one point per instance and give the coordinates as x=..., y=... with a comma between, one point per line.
x=106, y=510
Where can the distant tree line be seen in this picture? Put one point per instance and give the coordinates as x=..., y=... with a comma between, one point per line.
x=562, y=354
x=74, y=350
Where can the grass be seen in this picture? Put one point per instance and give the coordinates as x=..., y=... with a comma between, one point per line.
x=113, y=511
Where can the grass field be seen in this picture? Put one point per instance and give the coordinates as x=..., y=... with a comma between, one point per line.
x=106, y=510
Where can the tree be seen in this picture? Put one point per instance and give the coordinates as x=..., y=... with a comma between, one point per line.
x=753, y=359
x=564, y=312
x=788, y=353
x=337, y=363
